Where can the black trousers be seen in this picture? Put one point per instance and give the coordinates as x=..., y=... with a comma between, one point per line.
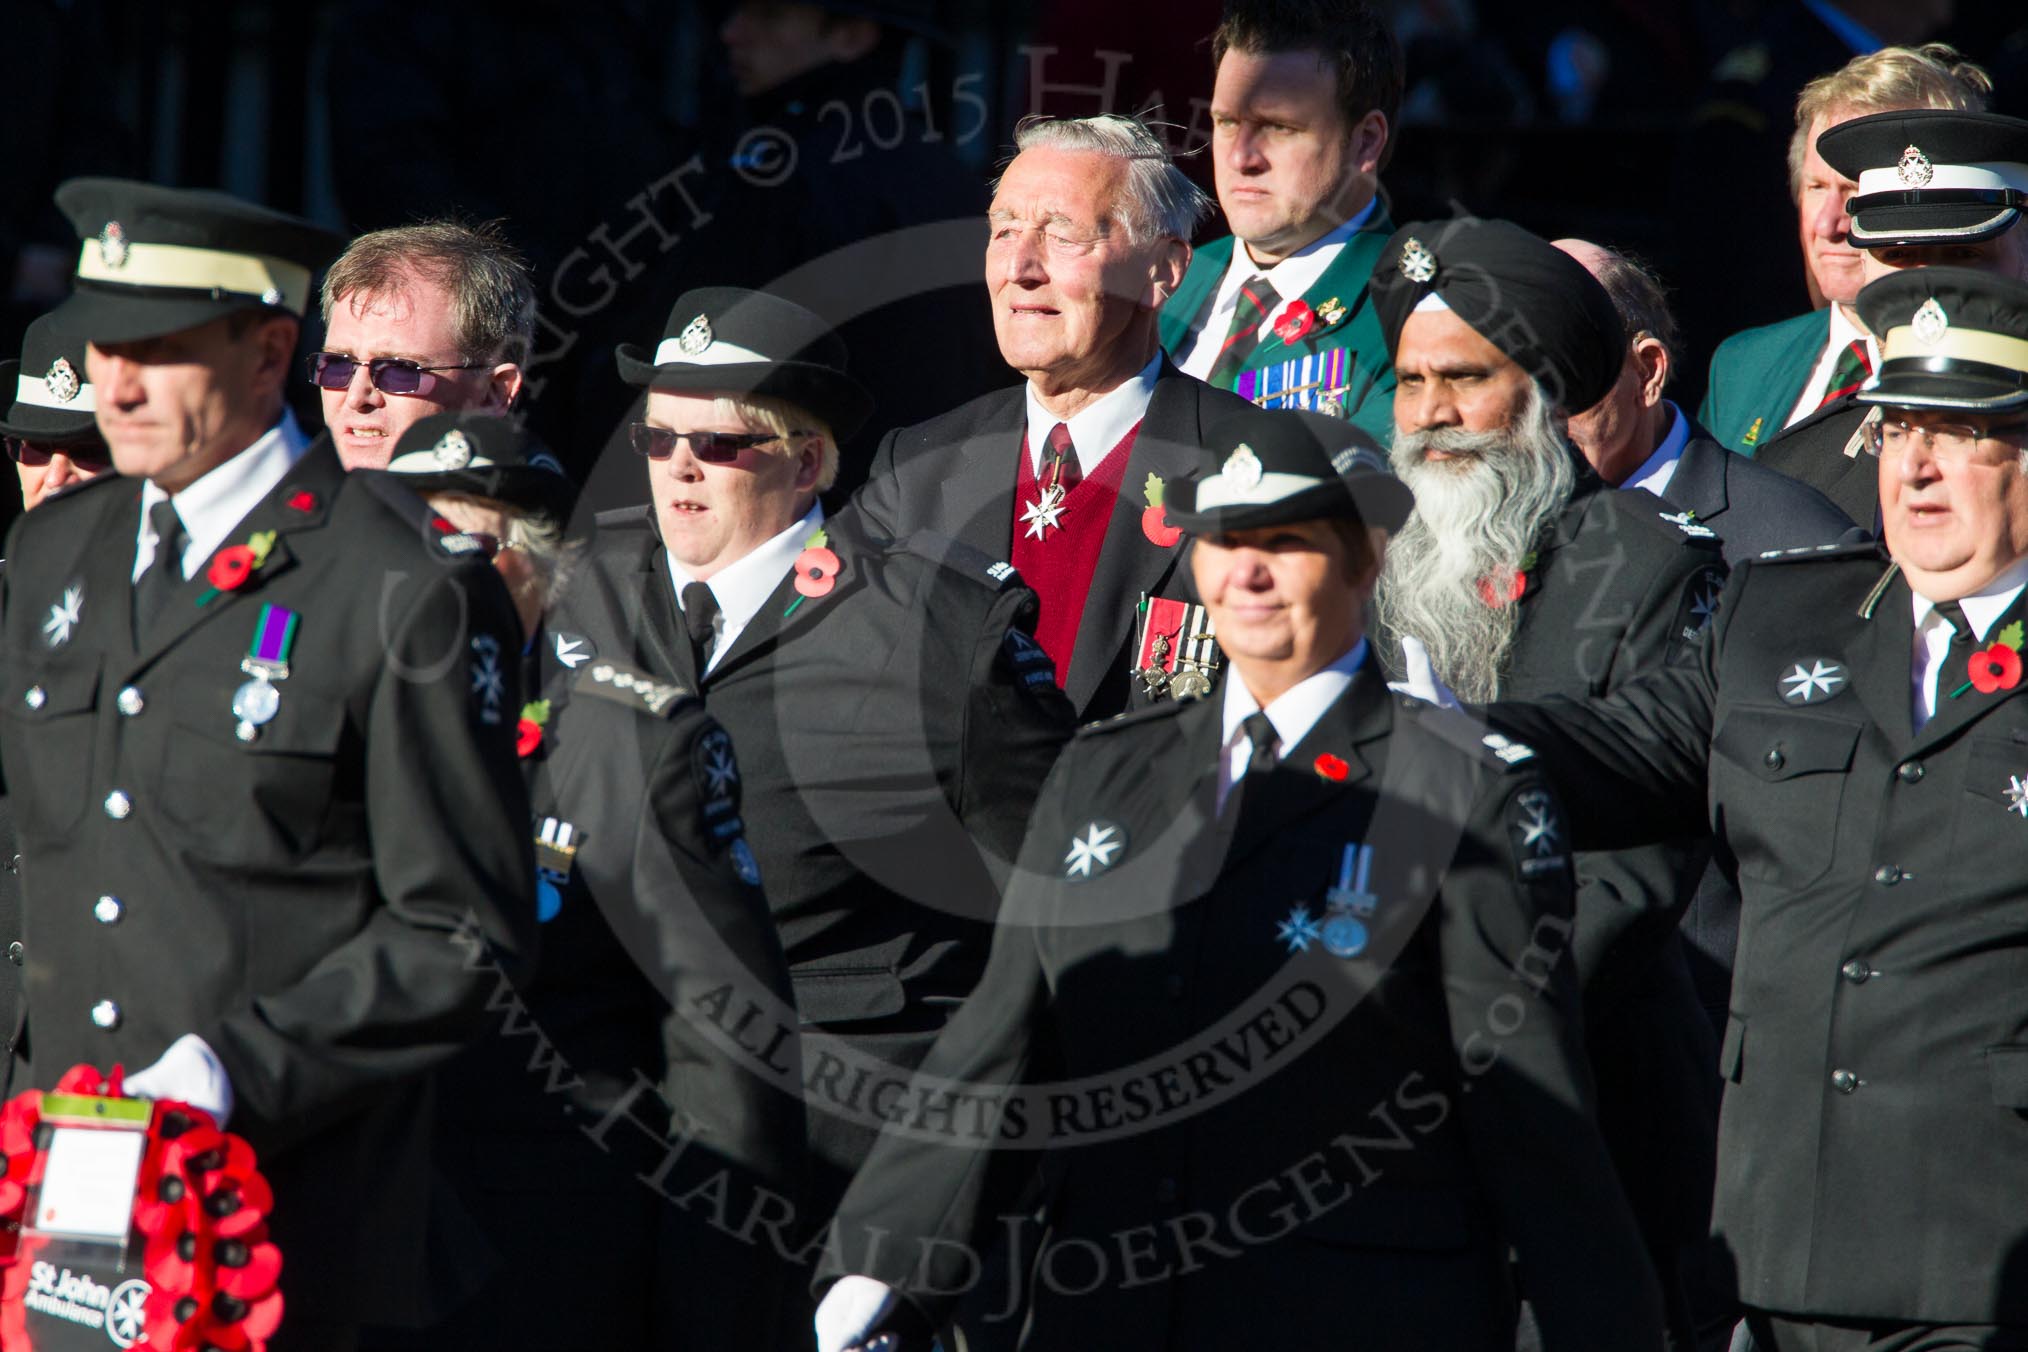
x=1776, y=1333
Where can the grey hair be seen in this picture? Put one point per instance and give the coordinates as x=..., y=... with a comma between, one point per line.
x=1643, y=306
x=1161, y=201
x=491, y=290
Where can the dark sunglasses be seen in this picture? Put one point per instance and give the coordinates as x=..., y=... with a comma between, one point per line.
x=713, y=448
x=37, y=454
x=390, y=375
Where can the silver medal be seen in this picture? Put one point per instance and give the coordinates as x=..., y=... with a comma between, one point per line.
x=254, y=703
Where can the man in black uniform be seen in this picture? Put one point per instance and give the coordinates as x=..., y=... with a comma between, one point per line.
x=1243, y=1006
x=1935, y=187
x=1522, y=572
x=599, y=1088
x=259, y=727
x=1851, y=730
x=893, y=715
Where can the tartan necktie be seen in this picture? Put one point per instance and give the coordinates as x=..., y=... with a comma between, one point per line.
x=1063, y=455
x=165, y=574
x=1257, y=300
x=1852, y=370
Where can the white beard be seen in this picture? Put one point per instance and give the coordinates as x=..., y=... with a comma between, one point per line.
x=1476, y=518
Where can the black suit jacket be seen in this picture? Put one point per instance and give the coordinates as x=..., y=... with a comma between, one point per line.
x=654, y=946
x=1754, y=509
x=955, y=475
x=1871, y=1155
x=1815, y=451
x=1335, y=1133
x=299, y=899
x=892, y=736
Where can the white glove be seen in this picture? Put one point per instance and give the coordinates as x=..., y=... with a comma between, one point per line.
x=850, y=1310
x=1421, y=682
x=189, y=1072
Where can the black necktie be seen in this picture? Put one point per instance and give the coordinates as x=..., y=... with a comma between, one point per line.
x=1257, y=300
x=700, y=609
x=1954, y=616
x=1261, y=732
x=152, y=588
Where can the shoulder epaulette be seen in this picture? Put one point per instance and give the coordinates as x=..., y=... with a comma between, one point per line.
x=626, y=518
x=1135, y=718
x=1466, y=733
x=637, y=690
x=1856, y=549
x=1692, y=528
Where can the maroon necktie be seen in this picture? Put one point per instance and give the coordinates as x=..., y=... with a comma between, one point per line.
x=1063, y=456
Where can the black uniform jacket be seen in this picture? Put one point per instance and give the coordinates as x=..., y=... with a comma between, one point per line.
x=955, y=475
x=1752, y=508
x=1241, y=1135
x=1823, y=451
x=654, y=947
x=892, y=736
x=1622, y=584
x=1873, y=1154
x=303, y=900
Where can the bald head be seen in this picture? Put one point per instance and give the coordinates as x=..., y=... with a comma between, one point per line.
x=1622, y=430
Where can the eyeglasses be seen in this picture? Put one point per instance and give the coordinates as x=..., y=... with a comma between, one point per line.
x=37, y=454
x=390, y=375
x=713, y=448
x=1952, y=442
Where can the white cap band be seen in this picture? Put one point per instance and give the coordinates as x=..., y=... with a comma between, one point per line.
x=30, y=390
x=275, y=281
x=1994, y=175
x=426, y=462
x=671, y=353
x=1217, y=490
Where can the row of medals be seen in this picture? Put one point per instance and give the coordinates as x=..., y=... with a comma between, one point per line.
x=1188, y=681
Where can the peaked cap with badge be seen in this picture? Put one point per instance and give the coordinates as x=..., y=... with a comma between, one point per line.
x=484, y=455
x=1520, y=293
x=1275, y=467
x=1930, y=176
x=157, y=260
x=722, y=339
x=1949, y=338
x=52, y=402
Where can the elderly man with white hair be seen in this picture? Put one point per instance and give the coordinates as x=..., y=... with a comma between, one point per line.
x=1063, y=476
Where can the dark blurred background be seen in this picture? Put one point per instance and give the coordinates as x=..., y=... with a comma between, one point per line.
x=609, y=136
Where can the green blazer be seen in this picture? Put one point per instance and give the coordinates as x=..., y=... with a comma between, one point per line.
x=1756, y=377
x=1358, y=386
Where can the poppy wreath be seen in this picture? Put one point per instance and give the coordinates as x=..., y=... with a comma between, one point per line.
x=201, y=1209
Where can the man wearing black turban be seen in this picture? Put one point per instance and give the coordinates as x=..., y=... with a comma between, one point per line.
x=1522, y=572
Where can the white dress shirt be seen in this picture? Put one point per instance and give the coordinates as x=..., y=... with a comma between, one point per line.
x=1097, y=427
x=1658, y=469
x=1294, y=712
x=1291, y=278
x=212, y=507
x=1843, y=331
x=742, y=588
x=1982, y=608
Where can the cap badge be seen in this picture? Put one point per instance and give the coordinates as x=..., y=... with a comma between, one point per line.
x=696, y=336
x=1418, y=264
x=1930, y=322
x=453, y=450
x=271, y=296
x=62, y=381
x=1241, y=469
x=1915, y=169
x=113, y=245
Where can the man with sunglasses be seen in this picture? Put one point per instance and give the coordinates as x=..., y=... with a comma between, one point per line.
x=259, y=728
x=1852, y=733
x=420, y=319
x=894, y=717
x=51, y=435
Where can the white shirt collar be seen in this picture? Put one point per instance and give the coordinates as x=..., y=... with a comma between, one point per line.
x=1291, y=278
x=218, y=501
x=1983, y=607
x=741, y=588
x=1097, y=427
x=1658, y=469
x=1294, y=712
